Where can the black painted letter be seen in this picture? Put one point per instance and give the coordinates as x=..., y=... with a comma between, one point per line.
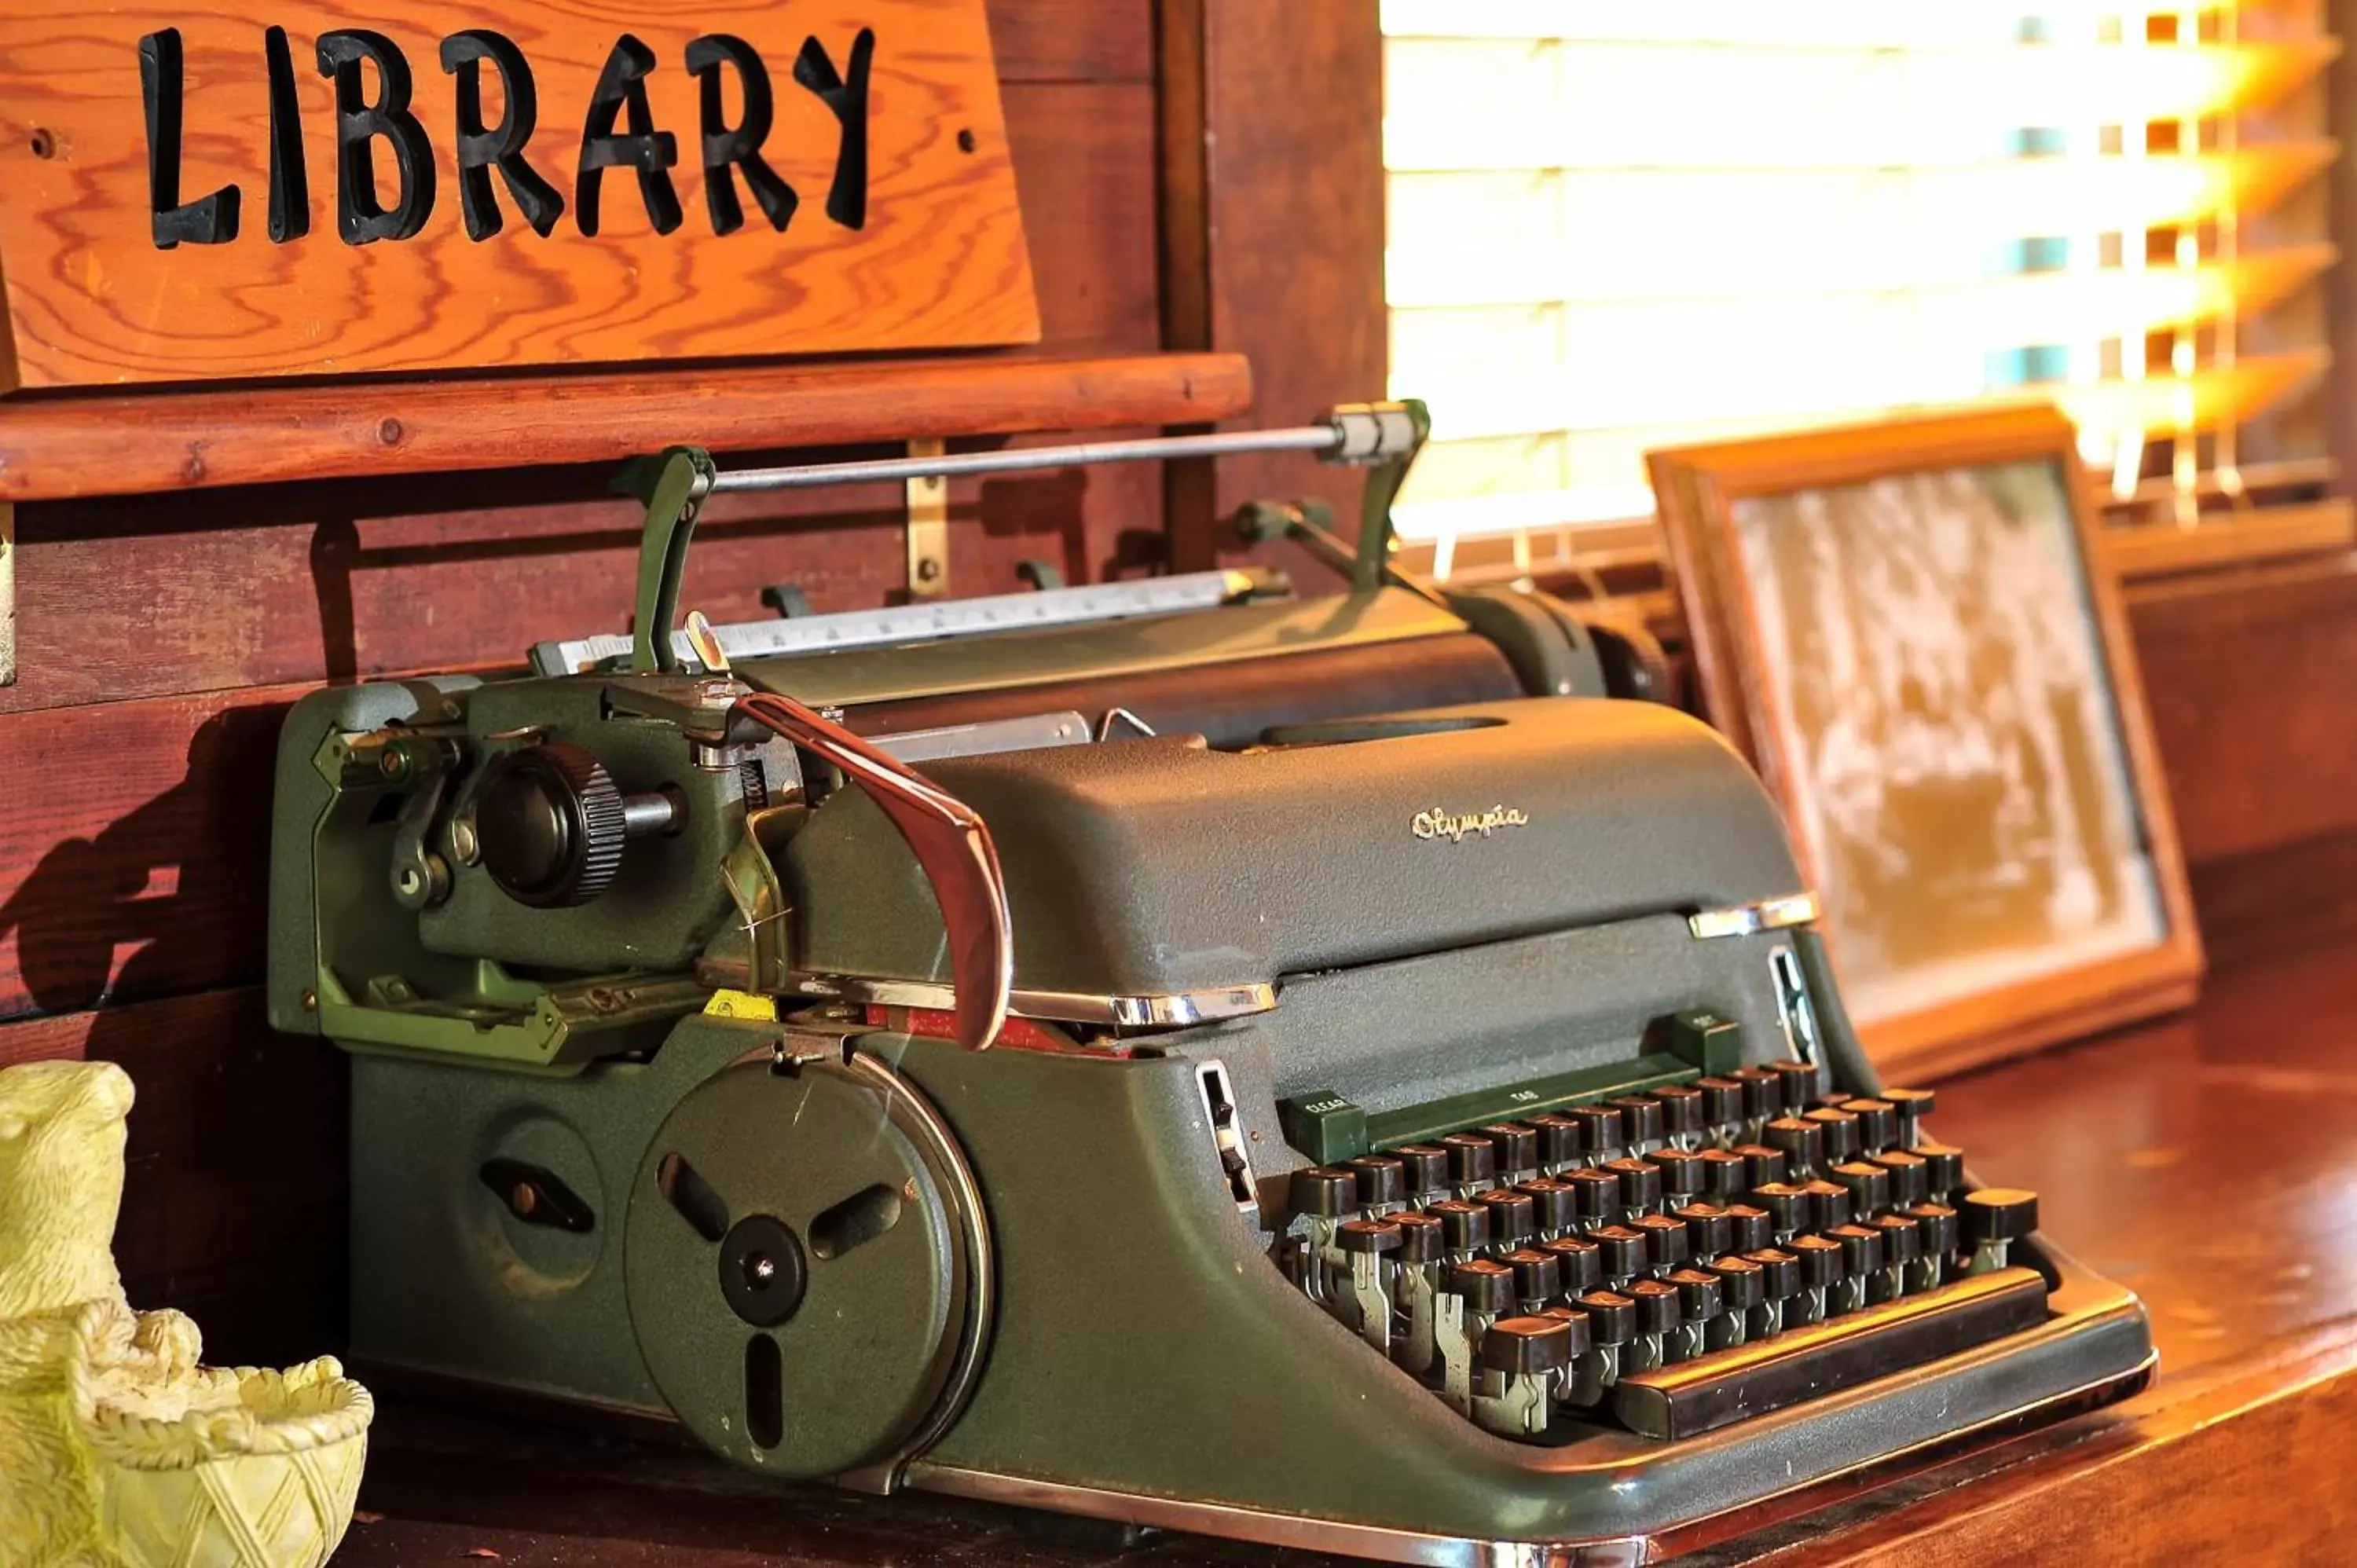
x=725, y=145
x=481, y=151
x=622, y=85
x=211, y=221
x=290, y=179
x=847, y=198
x=358, y=214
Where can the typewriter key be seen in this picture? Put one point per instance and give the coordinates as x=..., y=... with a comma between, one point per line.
x=1726, y=1174
x=1830, y=1205
x=1383, y=1182
x=1413, y=1287
x=1472, y=1162
x=1803, y=1144
x=1325, y=1192
x=1762, y=1165
x=1780, y=1281
x=1323, y=1197
x=1878, y=1123
x=1424, y=1169
x=1657, y=1315
x=1518, y=1148
x=1538, y=1276
x=1641, y=1185
x=1708, y=1230
x=1681, y=1175
x=1821, y=1271
x=1913, y=1105
x=1943, y=1169
x=1763, y=1097
x=1666, y=1246
x=1624, y=1252
x=1525, y=1358
x=1938, y=1225
x=1561, y=1146
x=1603, y=1133
x=1841, y=1132
x=1861, y=1254
x=1797, y=1084
x=1994, y=1218
x=1642, y=1115
x=1722, y=1108
x=1791, y=1208
x=1868, y=1185
x=1511, y=1220
x=1750, y=1227
x=1472, y=1296
x=1464, y=1226
x=1612, y=1324
x=1682, y=1114
x=1903, y=1247
x=1595, y=1196
x=1746, y=1290
x=1702, y=1303
x=1581, y=1262
x=1911, y=1181
x=1554, y=1207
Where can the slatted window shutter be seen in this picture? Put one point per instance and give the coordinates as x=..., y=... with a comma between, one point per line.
x=1614, y=227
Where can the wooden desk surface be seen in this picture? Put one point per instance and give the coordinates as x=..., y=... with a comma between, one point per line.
x=2209, y=1163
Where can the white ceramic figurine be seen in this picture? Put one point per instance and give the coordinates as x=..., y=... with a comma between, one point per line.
x=117, y=1450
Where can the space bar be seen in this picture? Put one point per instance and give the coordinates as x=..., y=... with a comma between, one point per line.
x=1819, y=1358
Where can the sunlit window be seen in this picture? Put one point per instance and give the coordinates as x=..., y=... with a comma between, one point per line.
x=1615, y=227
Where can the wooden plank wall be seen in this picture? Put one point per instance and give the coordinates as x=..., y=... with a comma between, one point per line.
x=161, y=639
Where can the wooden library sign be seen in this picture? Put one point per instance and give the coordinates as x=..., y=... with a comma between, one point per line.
x=236, y=188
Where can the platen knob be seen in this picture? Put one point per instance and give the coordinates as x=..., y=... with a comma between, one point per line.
x=551, y=823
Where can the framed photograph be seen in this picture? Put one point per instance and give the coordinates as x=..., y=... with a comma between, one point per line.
x=1905, y=627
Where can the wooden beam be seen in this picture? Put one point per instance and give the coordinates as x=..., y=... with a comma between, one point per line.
x=60, y=447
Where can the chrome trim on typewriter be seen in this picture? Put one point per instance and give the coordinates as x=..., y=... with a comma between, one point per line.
x=1748, y=919
x=1164, y=1010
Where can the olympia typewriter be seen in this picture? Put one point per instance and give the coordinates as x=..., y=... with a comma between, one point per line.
x=1417, y=1119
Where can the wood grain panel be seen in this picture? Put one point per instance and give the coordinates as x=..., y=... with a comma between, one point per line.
x=1070, y=40
x=2251, y=679
x=1084, y=159
x=935, y=259
x=233, y=1192
x=57, y=448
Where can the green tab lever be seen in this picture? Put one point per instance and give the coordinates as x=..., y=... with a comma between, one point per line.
x=673, y=486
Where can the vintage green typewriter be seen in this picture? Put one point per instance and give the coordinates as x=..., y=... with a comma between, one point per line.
x=1416, y=1117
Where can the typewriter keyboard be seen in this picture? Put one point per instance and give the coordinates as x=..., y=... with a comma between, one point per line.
x=1669, y=1260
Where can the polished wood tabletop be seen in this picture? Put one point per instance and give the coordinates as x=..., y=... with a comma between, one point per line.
x=2207, y=1162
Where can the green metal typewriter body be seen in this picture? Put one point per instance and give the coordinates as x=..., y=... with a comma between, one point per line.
x=1418, y=1121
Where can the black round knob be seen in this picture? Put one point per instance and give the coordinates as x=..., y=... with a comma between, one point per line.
x=1464, y=1226
x=1329, y=1192
x=550, y=825
x=1374, y=1236
x=1656, y=1304
x=763, y=1272
x=1472, y=1159
x=1527, y=1347
x=1420, y=1239
x=1537, y=1274
x=1999, y=1214
x=1512, y=1221
x=1582, y=1262
x=1611, y=1316
x=1424, y=1167
x=1487, y=1286
x=1382, y=1178
x=1750, y=1227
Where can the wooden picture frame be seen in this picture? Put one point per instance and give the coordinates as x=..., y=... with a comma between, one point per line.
x=1993, y=844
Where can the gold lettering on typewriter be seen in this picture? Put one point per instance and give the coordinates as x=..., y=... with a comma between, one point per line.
x=1456, y=829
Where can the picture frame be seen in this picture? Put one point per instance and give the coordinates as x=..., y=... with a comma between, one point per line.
x=1907, y=629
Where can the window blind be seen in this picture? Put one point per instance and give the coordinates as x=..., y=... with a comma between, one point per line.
x=1615, y=227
